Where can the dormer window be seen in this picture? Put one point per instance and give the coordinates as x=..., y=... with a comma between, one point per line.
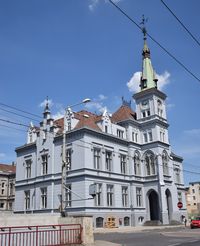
x=120, y=133
x=106, y=129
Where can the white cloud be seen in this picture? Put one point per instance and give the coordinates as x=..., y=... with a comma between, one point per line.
x=102, y=97
x=43, y=104
x=96, y=106
x=93, y=3
x=2, y=155
x=133, y=84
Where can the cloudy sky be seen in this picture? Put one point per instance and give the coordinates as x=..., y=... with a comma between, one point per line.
x=72, y=49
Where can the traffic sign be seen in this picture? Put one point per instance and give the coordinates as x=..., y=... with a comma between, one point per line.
x=179, y=204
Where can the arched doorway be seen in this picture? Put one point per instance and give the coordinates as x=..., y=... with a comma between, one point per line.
x=154, y=205
x=169, y=203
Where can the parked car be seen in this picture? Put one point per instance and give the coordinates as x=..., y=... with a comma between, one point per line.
x=195, y=223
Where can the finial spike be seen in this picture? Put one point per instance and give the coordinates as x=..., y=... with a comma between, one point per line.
x=144, y=30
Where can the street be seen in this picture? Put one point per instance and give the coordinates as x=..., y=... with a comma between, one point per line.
x=148, y=237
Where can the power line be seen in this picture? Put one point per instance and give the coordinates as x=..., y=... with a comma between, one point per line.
x=23, y=111
x=12, y=122
x=175, y=16
x=10, y=127
x=8, y=111
x=161, y=46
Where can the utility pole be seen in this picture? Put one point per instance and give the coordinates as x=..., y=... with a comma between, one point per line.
x=64, y=168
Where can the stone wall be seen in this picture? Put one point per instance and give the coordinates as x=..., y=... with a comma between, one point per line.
x=49, y=219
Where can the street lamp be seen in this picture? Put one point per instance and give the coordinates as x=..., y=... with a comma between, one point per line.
x=64, y=166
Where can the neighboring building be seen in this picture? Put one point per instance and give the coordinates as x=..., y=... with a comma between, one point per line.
x=7, y=186
x=193, y=198
x=127, y=155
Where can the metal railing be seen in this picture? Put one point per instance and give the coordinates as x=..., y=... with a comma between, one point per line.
x=41, y=235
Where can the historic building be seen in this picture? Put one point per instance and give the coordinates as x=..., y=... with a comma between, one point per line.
x=193, y=199
x=7, y=186
x=126, y=155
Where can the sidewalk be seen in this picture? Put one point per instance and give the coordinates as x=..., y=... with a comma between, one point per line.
x=135, y=229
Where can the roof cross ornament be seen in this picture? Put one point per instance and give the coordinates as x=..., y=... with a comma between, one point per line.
x=143, y=28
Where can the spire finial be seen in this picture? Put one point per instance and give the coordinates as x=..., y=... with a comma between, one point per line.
x=144, y=30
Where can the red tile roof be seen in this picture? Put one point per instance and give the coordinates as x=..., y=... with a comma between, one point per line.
x=123, y=113
x=88, y=119
x=8, y=168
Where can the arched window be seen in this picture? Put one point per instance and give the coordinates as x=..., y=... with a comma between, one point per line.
x=150, y=164
x=126, y=221
x=137, y=167
x=165, y=163
x=160, y=108
x=99, y=222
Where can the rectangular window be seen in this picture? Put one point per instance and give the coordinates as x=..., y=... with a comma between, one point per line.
x=1, y=205
x=145, y=137
x=106, y=129
x=123, y=164
x=179, y=196
x=11, y=189
x=124, y=196
x=97, y=155
x=143, y=114
x=69, y=159
x=68, y=196
x=27, y=199
x=3, y=188
x=98, y=197
x=28, y=168
x=150, y=136
x=136, y=137
x=108, y=155
x=44, y=164
x=193, y=191
x=194, y=198
x=177, y=175
x=139, y=196
x=43, y=197
x=110, y=195
x=120, y=133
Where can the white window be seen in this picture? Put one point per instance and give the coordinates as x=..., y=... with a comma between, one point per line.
x=177, y=175
x=43, y=192
x=165, y=164
x=137, y=167
x=120, y=133
x=145, y=137
x=97, y=158
x=150, y=136
x=134, y=137
x=110, y=195
x=123, y=164
x=27, y=199
x=11, y=188
x=150, y=164
x=44, y=164
x=139, y=196
x=28, y=168
x=98, y=197
x=3, y=188
x=108, y=156
x=124, y=196
x=179, y=196
x=68, y=195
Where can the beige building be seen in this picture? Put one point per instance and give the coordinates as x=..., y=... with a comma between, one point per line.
x=193, y=198
x=7, y=186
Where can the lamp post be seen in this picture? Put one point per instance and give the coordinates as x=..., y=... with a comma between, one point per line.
x=64, y=166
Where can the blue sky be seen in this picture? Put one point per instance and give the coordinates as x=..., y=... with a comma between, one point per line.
x=72, y=49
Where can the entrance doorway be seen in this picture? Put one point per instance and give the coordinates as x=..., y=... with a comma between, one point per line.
x=154, y=205
x=169, y=204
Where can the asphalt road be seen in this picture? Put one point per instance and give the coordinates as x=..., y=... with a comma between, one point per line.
x=163, y=237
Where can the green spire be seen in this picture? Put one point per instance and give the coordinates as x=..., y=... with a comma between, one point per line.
x=148, y=79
